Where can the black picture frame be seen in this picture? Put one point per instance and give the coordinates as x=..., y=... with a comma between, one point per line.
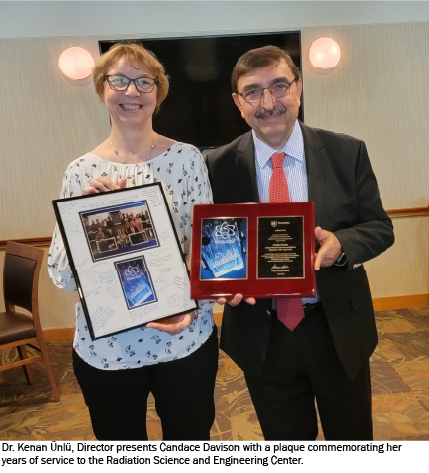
x=104, y=272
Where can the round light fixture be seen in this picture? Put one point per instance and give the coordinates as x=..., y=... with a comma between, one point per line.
x=324, y=53
x=76, y=63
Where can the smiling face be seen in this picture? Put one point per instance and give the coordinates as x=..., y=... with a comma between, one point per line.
x=129, y=107
x=272, y=119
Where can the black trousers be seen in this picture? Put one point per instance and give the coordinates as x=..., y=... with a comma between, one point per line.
x=303, y=366
x=183, y=390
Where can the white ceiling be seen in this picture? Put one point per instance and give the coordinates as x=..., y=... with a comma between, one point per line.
x=100, y=18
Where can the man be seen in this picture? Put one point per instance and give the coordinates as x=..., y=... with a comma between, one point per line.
x=294, y=351
x=95, y=225
x=110, y=225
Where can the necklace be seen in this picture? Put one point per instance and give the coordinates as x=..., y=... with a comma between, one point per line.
x=123, y=160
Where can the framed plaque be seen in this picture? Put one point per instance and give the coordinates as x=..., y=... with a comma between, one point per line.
x=258, y=250
x=126, y=258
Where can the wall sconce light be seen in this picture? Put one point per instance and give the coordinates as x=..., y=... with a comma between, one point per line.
x=324, y=53
x=76, y=63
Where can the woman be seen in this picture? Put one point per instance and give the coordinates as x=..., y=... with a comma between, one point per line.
x=100, y=235
x=136, y=225
x=175, y=359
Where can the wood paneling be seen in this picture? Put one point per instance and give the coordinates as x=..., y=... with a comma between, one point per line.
x=41, y=242
x=58, y=334
x=401, y=302
x=416, y=212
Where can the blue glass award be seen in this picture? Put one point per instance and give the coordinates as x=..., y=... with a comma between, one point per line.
x=136, y=282
x=223, y=248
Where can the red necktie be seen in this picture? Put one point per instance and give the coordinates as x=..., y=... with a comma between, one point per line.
x=289, y=311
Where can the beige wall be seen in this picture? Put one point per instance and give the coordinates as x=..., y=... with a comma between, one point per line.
x=378, y=93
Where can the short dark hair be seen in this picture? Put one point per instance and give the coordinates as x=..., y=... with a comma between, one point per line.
x=261, y=57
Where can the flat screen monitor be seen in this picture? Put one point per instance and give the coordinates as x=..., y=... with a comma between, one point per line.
x=199, y=108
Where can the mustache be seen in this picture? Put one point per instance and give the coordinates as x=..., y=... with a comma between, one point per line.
x=276, y=110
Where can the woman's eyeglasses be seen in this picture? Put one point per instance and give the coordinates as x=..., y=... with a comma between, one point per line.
x=142, y=84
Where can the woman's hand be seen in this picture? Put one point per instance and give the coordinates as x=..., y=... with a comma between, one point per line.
x=174, y=325
x=104, y=184
x=236, y=300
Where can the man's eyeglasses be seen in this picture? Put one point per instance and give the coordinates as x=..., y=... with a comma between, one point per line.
x=143, y=84
x=277, y=90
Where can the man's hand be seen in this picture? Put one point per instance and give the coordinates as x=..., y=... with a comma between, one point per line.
x=104, y=184
x=174, y=325
x=235, y=300
x=329, y=251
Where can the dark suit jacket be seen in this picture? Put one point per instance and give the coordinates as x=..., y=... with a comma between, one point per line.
x=343, y=187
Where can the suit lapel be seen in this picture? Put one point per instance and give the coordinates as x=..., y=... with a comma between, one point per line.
x=316, y=163
x=246, y=170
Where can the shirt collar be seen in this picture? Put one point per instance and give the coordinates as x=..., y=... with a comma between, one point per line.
x=294, y=147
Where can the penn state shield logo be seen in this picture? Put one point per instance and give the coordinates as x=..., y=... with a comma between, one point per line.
x=273, y=223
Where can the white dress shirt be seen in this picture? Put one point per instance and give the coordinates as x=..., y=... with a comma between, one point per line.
x=294, y=167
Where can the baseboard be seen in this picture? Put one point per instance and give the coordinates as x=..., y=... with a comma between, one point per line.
x=65, y=334
x=401, y=302
x=218, y=317
x=58, y=334
x=381, y=303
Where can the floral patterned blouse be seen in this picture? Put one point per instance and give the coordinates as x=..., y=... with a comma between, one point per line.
x=183, y=175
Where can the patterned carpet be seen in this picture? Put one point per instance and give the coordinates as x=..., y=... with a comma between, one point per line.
x=400, y=380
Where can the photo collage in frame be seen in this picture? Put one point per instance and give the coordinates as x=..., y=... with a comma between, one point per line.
x=120, y=229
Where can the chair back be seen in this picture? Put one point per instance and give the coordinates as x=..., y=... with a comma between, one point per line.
x=21, y=288
x=21, y=276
